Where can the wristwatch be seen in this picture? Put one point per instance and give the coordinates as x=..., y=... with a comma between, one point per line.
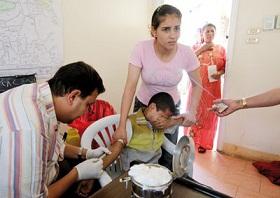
x=80, y=154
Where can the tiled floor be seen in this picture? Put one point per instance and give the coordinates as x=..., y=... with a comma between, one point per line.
x=235, y=177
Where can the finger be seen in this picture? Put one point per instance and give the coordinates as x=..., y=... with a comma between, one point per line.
x=125, y=140
x=105, y=150
x=178, y=116
x=114, y=136
x=217, y=101
x=162, y=119
x=94, y=160
x=99, y=163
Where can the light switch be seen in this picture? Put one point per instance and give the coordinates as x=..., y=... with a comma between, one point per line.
x=277, y=24
x=252, y=40
x=269, y=22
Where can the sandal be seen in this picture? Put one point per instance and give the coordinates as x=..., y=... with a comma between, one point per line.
x=201, y=149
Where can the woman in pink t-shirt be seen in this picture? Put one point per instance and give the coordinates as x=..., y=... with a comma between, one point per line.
x=160, y=62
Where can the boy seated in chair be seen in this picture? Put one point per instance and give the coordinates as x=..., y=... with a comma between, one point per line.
x=146, y=141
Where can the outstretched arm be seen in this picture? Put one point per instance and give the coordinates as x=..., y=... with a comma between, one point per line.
x=190, y=118
x=59, y=187
x=127, y=98
x=115, y=149
x=266, y=99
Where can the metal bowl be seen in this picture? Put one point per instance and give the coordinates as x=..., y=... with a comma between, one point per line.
x=141, y=190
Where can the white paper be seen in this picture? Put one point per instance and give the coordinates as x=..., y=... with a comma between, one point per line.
x=212, y=69
x=220, y=107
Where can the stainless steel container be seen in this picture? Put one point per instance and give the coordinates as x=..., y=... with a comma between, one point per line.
x=182, y=158
x=140, y=190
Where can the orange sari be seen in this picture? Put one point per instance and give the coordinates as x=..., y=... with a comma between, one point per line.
x=204, y=131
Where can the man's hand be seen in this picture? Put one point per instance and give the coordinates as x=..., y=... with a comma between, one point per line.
x=90, y=169
x=95, y=153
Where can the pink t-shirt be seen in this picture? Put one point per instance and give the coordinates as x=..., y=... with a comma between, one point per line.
x=158, y=76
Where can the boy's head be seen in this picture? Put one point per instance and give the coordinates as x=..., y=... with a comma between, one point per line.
x=161, y=105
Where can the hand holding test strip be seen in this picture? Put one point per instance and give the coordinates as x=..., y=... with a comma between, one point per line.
x=220, y=107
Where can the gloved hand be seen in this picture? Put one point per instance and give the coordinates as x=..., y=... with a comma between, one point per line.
x=90, y=169
x=104, y=179
x=95, y=153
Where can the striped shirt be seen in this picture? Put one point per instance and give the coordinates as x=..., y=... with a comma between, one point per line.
x=30, y=144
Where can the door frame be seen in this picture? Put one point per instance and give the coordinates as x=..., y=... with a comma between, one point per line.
x=230, y=49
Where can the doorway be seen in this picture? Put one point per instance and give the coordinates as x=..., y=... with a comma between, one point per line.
x=196, y=13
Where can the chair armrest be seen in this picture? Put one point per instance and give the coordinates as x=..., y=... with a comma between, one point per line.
x=168, y=146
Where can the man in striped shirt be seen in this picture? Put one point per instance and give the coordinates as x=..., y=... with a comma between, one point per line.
x=30, y=144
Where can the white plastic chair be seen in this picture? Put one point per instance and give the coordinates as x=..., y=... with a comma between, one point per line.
x=102, y=131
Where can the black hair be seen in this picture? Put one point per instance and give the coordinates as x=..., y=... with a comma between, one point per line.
x=204, y=27
x=163, y=102
x=162, y=11
x=78, y=75
x=208, y=25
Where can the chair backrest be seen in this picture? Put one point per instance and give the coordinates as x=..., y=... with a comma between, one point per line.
x=98, y=110
x=102, y=131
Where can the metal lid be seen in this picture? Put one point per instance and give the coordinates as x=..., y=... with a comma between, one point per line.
x=183, y=156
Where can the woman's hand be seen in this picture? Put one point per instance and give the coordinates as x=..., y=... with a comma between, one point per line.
x=187, y=119
x=233, y=105
x=120, y=133
x=205, y=47
x=217, y=75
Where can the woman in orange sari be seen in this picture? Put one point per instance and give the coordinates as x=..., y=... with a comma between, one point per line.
x=212, y=59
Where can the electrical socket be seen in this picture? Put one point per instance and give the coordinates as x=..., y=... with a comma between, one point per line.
x=253, y=31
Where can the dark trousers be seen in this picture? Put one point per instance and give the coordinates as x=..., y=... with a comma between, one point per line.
x=166, y=158
x=65, y=167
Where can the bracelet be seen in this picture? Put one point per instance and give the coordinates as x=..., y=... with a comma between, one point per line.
x=244, y=103
x=121, y=141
